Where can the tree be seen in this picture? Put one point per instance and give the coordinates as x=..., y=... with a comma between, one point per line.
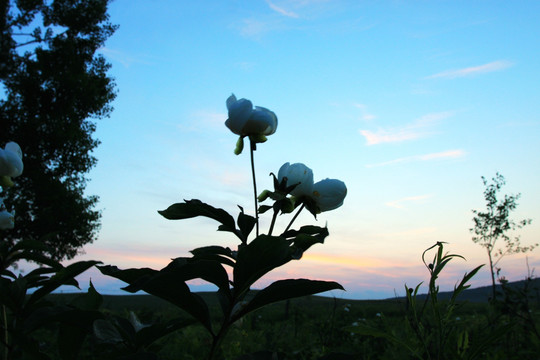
x=55, y=87
x=495, y=224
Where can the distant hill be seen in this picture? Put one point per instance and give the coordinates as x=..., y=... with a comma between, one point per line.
x=483, y=293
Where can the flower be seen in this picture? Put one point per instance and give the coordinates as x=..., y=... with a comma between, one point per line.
x=245, y=121
x=7, y=219
x=329, y=194
x=300, y=174
x=11, y=164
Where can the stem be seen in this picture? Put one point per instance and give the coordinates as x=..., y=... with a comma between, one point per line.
x=252, y=150
x=294, y=218
x=216, y=343
x=274, y=217
x=6, y=349
x=493, y=285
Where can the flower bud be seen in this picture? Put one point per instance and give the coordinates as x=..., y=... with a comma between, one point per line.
x=298, y=174
x=245, y=121
x=263, y=196
x=329, y=194
x=11, y=163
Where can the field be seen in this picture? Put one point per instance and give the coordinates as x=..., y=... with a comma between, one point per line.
x=318, y=327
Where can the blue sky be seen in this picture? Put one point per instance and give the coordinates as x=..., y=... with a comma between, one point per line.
x=408, y=102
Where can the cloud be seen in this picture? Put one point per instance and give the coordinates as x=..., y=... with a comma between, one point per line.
x=398, y=204
x=123, y=58
x=421, y=127
x=366, y=116
x=450, y=154
x=473, y=70
x=254, y=28
x=281, y=10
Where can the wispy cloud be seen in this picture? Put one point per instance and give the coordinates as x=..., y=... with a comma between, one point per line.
x=125, y=59
x=366, y=116
x=473, y=70
x=420, y=128
x=281, y=10
x=398, y=204
x=450, y=154
x=254, y=28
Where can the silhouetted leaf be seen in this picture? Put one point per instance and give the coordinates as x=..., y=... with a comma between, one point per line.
x=216, y=253
x=149, y=334
x=245, y=224
x=257, y=258
x=164, y=285
x=193, y=208
x=287, y=289
x=65, y=276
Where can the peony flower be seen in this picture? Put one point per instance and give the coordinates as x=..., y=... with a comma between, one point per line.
x=7, y=219
x=245, y=121
x=11, y=164
x=297, y=174
x=329, y=194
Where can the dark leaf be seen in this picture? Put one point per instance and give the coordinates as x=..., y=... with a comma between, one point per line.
x=245, y=224
x=65, y=276
x=257, y=258
x=287, y=289
x=149, y=334
x=164, y=285
x=193, y=208
x=216, y=253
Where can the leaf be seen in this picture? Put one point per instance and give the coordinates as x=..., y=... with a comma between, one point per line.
x=65, y=276
x=193, y=208
x=165, y=286
x=264, y=208
x=246, y=223
x=147, y=335
x=215, y=253
x=91, y=300
x=106, y=332
x=257, y=258
x=35, y=257
x=73, y=330
x=185, y=269
x=287, y=289
x=463, y=284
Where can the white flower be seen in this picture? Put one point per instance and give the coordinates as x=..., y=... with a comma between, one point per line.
x=11, y=163
x=7, y=219
x=244, y=120
x=329, y=194
x=300, y=174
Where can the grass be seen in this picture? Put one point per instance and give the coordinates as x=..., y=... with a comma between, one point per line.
x=303, y=328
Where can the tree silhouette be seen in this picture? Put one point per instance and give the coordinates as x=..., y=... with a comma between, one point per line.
x=54, y=87
x=495, y=224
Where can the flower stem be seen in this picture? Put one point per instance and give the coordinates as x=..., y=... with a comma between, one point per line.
x=253, y=147
x=6, y=336
x=294, y=218
x=273, y=222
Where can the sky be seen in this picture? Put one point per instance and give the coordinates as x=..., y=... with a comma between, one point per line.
x=409, y=103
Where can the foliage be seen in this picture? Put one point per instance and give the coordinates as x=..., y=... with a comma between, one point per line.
x=54, y=87
x=26, y=312
x=495, y=224
x=252, y=259
x=433, y=332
